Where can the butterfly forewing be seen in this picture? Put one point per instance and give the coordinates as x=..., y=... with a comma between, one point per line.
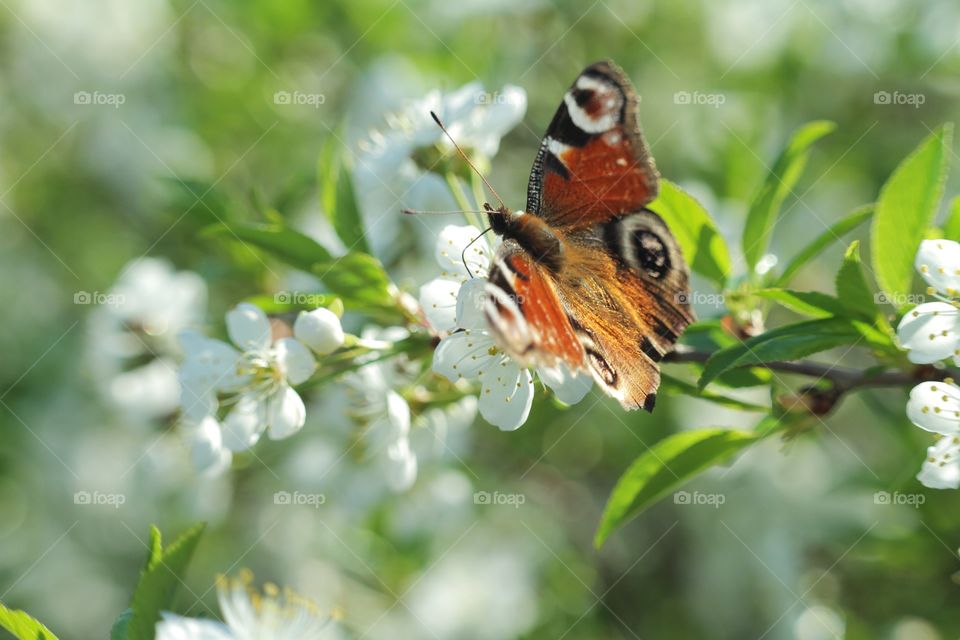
x=525, y=314
x=593, y=163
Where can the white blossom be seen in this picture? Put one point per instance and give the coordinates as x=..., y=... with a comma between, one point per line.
x=137, y=321
x=389, y=172
x=254, y=377
x=935, y=407
x=205, y=440
x=385, y=415
x=931, y=331
x=460, y=251
x=941, y=469
x=469, y=351
x=320, y=330
x=250, y=615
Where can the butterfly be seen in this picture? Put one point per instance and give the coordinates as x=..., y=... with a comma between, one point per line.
x=587, y=276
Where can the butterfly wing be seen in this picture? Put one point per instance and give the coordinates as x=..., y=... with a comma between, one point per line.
x=625, y=287
x=616, y=308
x=525, y=315
x=593, y=163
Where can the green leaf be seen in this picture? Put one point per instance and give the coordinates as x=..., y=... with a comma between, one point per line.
x=703, y=247
x=159, y=581
x=23, y=626
x=745, y=378
x=293, y=301
x=202, y=200
x=906, y=206
x=951, y=230
x=359, y=279
x=293, y=247
x=663, y=467
x=675, y=386
x=852, y=288
x=835, y=232
x=808, y=303
x=338, y=199
x=155, y=553
x=783, y=343
x=710, y=335
x=786, y=172
x=121, y=626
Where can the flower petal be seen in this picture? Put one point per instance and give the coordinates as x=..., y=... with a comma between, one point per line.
x=506, y=394
x=462, y=355
x=941, y=469
x=244, y=424
x=929, y=332
x=470, y=300
x=286, y=413
x=398, y=413
x=452, y=250
x=174, y=627
x=503, y=111
x=295, y=360
x=207, y=452
x=249, y=327
x=438, y=299
x=570, y=388
x=935, y=407
x=400, y=465
x=209, y=365
x=320, y=330
x=938, y=261
x=235, y=596
x=196, y=405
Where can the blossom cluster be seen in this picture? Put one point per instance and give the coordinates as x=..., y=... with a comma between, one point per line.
x=931, y=333
x=228, y=395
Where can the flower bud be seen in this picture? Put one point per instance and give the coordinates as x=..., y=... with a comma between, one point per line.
x=319, y=329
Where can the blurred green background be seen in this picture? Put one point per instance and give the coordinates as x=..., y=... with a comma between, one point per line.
x=799, y=548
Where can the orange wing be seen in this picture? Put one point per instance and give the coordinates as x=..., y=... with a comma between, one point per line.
x=625, y=288
x=525, y=315
x=593, y=164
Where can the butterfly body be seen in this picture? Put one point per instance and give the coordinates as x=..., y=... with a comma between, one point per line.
x=587, y=276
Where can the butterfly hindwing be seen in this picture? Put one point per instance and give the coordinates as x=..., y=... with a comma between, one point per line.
x=628, y=302
x=593, y=163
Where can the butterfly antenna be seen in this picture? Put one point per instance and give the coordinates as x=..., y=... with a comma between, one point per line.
x=467, y=160
x=417, y=212
x=463, y=254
